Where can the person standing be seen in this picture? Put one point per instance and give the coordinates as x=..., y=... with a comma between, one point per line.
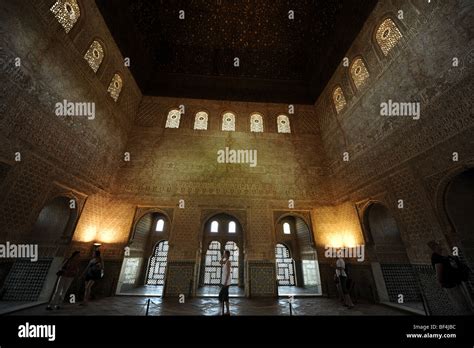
x=93, y=272
x=451, y=277
x=66, y=275
x=225, y=282
x=342, y=277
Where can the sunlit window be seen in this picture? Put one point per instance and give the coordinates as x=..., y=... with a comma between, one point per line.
x=359, y=73
x=160, y=224
x=94, y=55
x=232, y=227
x=256, y=123
x=214, y=226
x=67, y=12
x=228, y=122
x=339, y=99
x=173, y=119
x=115, y=87
x=200, y=121
x=387, y=35
x=283, y=123
x=286, y=228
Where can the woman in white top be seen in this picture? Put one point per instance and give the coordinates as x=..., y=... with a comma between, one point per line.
x=342, y=277
x=225, y=282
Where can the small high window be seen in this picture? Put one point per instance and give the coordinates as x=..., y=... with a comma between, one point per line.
x=359, y=73
x=94, y=55
x=67, y=13
x=173, y=119
x=387, y=35
x=160, y=224
x=200, y=121
x=228, y=122
x=214, y=226
x=283, y=123
x=256, y=123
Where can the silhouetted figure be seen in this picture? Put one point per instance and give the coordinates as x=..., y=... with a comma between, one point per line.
x=66, y=275
x=93, y=272
x=225, y=282
x=451, y=274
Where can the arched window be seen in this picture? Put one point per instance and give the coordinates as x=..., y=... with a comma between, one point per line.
x=200, y=121
x=359, y=73
x=387, y=35
x=339, y=99
x=214, y=226
x=285, y=266
x=232, y=228
x=94, y=55
x=286, y=228
x=228, y=122
x=212, y=269
x=160, y=225
x=234, y=261
x=158, y=261
x=67, y=12
x=256, y=123
x=173, y=119
x=115, y=87
x=283, y=124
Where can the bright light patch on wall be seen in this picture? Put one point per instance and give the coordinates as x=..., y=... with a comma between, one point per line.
x=89, y=234
x=107, y=236
x=342, y=239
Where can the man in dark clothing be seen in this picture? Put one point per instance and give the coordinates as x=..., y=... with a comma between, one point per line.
x=447, y=274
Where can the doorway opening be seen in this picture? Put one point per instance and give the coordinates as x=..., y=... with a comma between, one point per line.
x=296, y=260
x=221, y=232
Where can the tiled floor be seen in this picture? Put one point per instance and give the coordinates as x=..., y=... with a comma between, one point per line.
x=146, y=290
x=131, y=305
x=297, y=291
x=213, y=291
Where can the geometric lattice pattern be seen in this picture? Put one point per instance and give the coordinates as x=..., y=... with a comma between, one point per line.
x=67, y=13
x=115, y=87
x=285, y=266
x=339, y=99
x=401, y=280
x=437, y=299
x=212, y=270
x=262, y=278
x=157, y=268
x=283, y=123
x=256, y=123
x=25, y=280
x=200, y=121
x=173, y=119
x=30, y=183
x=234, y=261
x=94, y=55
x=387, y=35
x=228, y=122
x=359, y=73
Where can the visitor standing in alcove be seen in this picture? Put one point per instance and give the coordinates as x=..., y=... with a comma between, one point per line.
x=225, y=282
